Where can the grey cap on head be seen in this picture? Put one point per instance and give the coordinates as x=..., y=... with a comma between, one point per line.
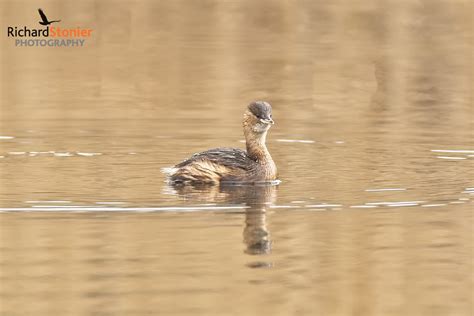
x=261, y=109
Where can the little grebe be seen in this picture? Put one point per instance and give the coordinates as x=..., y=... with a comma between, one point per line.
x=232, y=165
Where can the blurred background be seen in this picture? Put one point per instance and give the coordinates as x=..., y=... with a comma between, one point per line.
x=374, y=142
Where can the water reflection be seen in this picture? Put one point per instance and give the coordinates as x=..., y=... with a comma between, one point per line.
x=256, y=234
x=258, y=198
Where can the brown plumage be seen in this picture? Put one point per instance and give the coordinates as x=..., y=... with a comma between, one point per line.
x=232, y=165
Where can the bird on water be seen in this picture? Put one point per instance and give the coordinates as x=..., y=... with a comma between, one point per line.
x=233, y=165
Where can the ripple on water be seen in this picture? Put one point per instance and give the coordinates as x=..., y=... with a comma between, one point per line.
x=114, y=206
x=468, y=191
x=394, y=202
x=303, y=141
x=88, y=154
x=459, y=151
x=48, y=201
x=363, y=206
x=284, y=206
x=110, y=203
x=323, y=205
x=385, y=189
x=57, y=206
x=53, y=153
x=468, y=153
x=80, y=208
x=450, y=158
x=402, y=204
x=67, y=154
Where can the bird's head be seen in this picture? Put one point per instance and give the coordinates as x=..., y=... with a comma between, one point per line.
x=258, y=116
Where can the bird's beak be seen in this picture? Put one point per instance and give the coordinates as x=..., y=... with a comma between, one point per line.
x=267, y=121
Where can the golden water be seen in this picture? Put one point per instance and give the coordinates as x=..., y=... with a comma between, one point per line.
x=374, y=141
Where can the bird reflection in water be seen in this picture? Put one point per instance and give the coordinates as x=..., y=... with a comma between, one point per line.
x=257, y=199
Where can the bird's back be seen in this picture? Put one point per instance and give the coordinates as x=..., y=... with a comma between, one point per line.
x=214, y=166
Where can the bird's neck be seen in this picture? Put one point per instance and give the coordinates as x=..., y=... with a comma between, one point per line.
x=256, y=147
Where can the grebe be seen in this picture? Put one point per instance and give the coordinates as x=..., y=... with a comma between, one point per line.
x=233, y=165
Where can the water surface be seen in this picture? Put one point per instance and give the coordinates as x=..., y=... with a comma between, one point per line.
x=373, y=141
